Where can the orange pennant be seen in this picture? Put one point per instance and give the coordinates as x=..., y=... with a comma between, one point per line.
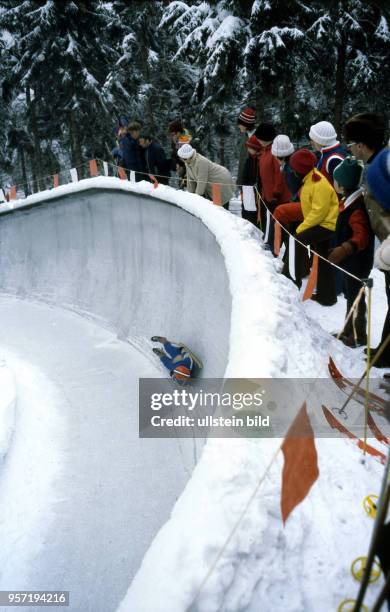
x=93, y=169
x=300, y=470
x=277, y=239
x=122, y=173
x=312, y=280
x=12, y=193
x=56, y=180
x=216, y=193
x=154, y=181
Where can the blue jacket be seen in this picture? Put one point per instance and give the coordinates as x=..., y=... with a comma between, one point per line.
x=132, y=154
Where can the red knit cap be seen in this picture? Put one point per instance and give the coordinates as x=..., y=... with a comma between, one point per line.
x=247, y=117
x=254, y=143
x=303, y=161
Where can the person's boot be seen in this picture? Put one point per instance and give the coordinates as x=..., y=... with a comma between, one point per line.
x=158, y=352
x=158, y=339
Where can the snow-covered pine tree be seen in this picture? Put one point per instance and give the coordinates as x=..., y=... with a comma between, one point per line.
x=350, y=40
x=211, y=37
x=61, y=59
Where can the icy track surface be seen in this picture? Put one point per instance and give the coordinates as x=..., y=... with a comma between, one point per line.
x=89, y=272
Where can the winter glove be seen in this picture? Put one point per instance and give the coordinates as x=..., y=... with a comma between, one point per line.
x=338, y=254
x=382, y=255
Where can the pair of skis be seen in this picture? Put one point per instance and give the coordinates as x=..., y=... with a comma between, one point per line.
x=375, y=404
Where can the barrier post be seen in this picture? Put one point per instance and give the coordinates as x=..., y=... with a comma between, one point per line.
x=122, y=173
x=277, y=238
x=56, y=180
x=312, y=280
x=93, y=169
x=216, y=194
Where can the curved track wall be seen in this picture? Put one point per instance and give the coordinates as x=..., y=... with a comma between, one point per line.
x=142, y=265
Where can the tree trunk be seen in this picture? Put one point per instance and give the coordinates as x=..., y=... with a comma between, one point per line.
x=339, y=86
x=36, y=140
x=34, y=166
x=75, y=145
x=23, y=169
x=222, y=142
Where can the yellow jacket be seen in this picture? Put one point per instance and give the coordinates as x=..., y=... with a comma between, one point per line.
x=319, y=201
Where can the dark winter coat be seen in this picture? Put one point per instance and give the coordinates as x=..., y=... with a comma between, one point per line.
x=353, y=225
x=250, y=172
x=157, y=163
x=132, y=154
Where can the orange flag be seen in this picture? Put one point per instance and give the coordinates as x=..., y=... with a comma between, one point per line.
x=154, y=181
x=56, y=180
x=12, y=192
x=216, y=193
x=312, y=280
x=122, y=173
x=277, y=239
x=300, y=470
x=93, y=169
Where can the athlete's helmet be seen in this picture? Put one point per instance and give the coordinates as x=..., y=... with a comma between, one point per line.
x=181, y=373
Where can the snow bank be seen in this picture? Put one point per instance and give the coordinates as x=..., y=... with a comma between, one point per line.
x=265, y=566
x=7, y=408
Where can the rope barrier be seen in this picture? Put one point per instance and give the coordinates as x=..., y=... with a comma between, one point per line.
x=307, y=246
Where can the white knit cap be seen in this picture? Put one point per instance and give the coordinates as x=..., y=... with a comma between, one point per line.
x=186, y=151
x=323, y=133
x=282, y=146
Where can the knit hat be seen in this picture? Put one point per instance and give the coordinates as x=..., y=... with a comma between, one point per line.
x=367, y=128
x=378, y=178
x=323, y=133
x=186, y=151
x=349, y=174
x=303, y=161
x=247, y=117
x=253, y=143
x=282, y=146
x=266, y=132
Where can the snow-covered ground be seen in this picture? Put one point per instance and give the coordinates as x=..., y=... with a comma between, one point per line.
x=103, y=493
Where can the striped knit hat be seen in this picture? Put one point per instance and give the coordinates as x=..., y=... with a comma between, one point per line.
x=247, y=117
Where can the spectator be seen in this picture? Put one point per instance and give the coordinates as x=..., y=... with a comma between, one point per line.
x=282, y=149
x=246, y=125
x=131, y=151
x=179, y=135
x=273, y=185
x=250, y=178
x=155, y=159
x=319, y=204
x=365, y=135
x=353, y=246
x=323, y=138
x=202, y=173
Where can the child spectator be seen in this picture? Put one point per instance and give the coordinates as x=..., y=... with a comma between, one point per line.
x=354, y=245
x=250, y=178
x=246, y=125
x=273, y=185
x=319, y=204
x=323, y=138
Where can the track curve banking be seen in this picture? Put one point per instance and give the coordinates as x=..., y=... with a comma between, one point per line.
x=85, y=278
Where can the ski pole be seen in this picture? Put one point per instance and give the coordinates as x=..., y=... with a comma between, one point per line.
x=383, y=505
x=365, y=373
x=382, y=595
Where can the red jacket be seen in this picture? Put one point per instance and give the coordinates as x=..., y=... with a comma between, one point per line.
x=274, y=186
